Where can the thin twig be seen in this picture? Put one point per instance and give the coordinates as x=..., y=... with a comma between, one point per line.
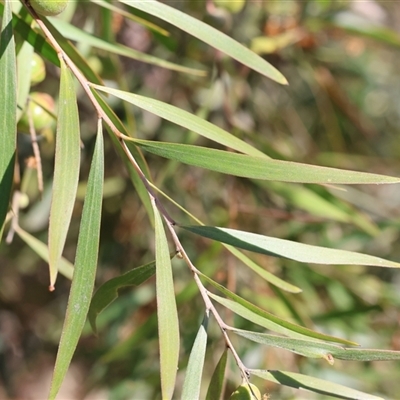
x=86, y=85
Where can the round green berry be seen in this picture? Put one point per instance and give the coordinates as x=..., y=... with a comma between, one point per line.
x=49, y=7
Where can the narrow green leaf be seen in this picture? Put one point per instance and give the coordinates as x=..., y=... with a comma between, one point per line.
x=64, y=267
x=108, y=291
x=288, y=249
x=66, y=170
x=216, y=387
x=36, y=40
x=271, y=321
x=168, y=326
x=71, y=32
x=185, y=119
x=209, y=35
x=192, y=383
x=137, y=155
x=271, y=278
x=24, y=67
x=258, y=167
x=8, y=110
x=132, y=17
x=315, y=349
x=85, y=267
x=306, y=348
x=309, y=383
x=72, y=52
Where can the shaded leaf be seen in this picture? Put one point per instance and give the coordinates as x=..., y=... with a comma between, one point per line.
x=316, y=385
x=168, y=327
x=64, y=267
x=286, y=248
x=271, y=321
x=258, y=167
x=66, y=170
x=216, y=387
x=209, y=35
x=85, y=267
x=24, y=67
x=183, y=118
x=108, y=291
x=8, y=110
x=192, y=383
x=271, y=278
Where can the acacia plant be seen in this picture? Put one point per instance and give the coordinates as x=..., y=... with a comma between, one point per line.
x=25, y=32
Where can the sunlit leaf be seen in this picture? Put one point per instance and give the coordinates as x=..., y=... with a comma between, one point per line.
x=168, y=327
x=309, y=383
x=73, y=33
x=132, y=17
x=183, y=118
x=257, y=167
x=315, y=349
x=24, y=67
x=286, y=248
x=136, y=153
x=64, y=267
x=66, y=170
x=108, y=291
x=266, y=319
x=216, y=387
x=85, y=267
x=209, y=35
x=8, y=110
x=192, y=382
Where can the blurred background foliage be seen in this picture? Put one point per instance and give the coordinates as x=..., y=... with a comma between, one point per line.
x=341, y=109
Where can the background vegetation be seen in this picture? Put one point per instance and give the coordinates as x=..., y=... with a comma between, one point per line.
x=340, y=110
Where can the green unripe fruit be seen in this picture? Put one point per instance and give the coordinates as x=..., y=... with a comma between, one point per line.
x=49, y=7
x=234, y=6
x=38, y=72
x=41, y=105
x=243, y=392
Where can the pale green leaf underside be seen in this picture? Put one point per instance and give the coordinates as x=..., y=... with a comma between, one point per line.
x=108, y=291
x=266, y=319
x=8, y=110
x=217, y=380
x=168, y=326
x=209, y=35
x=192, y=382
x=286, y=248
x=66, y=170
x=71, y=32
x=315, y=349
x=316, y=385
x=247, y=166
x=85, y=267
x=184, y=119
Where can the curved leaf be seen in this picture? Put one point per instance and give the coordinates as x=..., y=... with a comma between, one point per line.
x=209, y=35
x=286, y=248
x=216, y=387
x=192, y=383
x=316, y=385
x=108, y=291
x=270, y=321
x=64, y=267
x=8, y=110
x=85, y=267
x=168, y=326
x=185, y=119
x=258, y=167
x=71, y=32
x=66, y=170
